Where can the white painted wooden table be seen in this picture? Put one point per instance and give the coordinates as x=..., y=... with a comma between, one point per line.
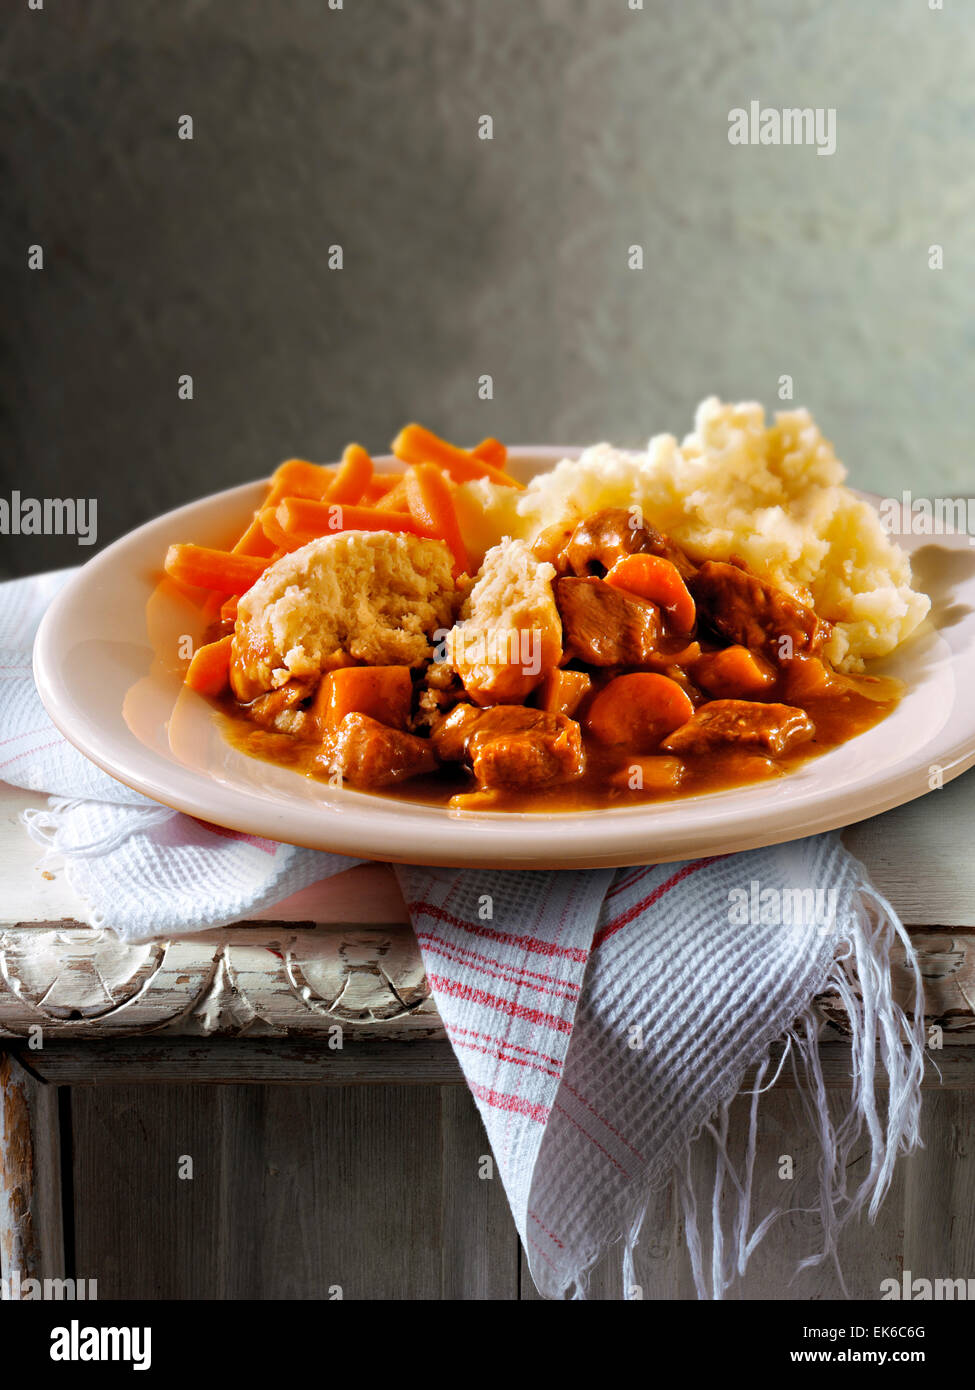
x=268, y=1001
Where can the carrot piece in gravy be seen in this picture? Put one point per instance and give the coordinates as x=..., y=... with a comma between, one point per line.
x=734, y=672
x=652, y=577
x=211, y=606
x=639, y=710
x=382, y=692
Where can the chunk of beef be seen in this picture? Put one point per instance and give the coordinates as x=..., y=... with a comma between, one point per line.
x=451, y=734
x=370, y=754
x=511, y=745
x=283, y=709
x=776, y=728
x=605, y=626
x=605, y=537
x=745, y=609
x=527, y=760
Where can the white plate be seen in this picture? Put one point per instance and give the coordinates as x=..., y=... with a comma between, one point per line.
x=107, y=690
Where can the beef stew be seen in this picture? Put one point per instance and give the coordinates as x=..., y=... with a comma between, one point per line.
x=676, y=678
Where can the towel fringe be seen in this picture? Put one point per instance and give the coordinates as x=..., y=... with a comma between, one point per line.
x=881, y=1036
x=48, y=827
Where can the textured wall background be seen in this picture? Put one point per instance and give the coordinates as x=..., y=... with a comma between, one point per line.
x=464, y=256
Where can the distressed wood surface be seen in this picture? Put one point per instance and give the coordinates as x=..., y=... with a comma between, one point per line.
x=920, y=855
x=237, y=1061
x=31, y=1243
x=301, y=1061
x=286, y=1200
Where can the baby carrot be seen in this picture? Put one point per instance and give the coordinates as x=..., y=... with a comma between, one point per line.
x=352, y=478
x=299, y=478
x=414, y=444
x=228, y=609
x=202, y=568
x=432, y=507
x=275, y=532
x=301, y=518
x=380, y=484
x=395, y=499
x=211, y=606
x=491, y=451
x=254, y=541
x=209, y=671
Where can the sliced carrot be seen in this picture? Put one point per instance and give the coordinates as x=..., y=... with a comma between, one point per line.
x=491, y=451
x=638, y=710
x=734, y=673
x=414, y=444
x=352, y=478
x=299, y=478
x=383, y=692
x=432, y=507
x=203, y=568
x=657, y=579
x=209, y=670
x=228, y=609
x=302, y=520
x=254, y=541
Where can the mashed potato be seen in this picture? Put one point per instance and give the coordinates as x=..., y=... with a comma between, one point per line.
x=772, y=494
x=372, y=595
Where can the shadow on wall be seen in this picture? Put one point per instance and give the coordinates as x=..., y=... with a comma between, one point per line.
x=165, y=256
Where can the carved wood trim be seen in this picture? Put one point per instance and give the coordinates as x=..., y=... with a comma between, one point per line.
x=262, y=978
x=298, y=979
